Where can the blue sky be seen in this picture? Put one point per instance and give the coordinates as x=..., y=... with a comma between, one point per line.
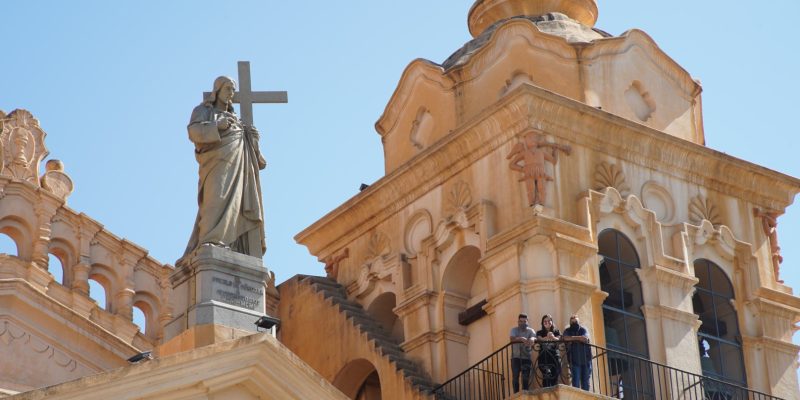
x=113, y=84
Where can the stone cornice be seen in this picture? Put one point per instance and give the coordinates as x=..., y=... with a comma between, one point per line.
x=563, y=234
x=777, y=300
x=774, y=344
x=425, y=171
x=567, y=120
x=422, y=298
x=662, y=311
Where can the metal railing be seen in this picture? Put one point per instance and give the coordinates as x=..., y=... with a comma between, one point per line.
x=611, y=373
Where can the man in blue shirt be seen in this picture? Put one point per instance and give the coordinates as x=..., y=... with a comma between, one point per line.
x=579, y=353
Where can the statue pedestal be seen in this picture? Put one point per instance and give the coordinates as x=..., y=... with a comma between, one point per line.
x=213, y=286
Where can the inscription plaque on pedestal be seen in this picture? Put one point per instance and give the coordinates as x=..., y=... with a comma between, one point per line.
x=213, y=285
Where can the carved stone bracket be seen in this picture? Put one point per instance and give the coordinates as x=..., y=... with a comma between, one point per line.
x=332, y=263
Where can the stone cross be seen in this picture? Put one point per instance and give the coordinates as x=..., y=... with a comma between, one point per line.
x=245, y=97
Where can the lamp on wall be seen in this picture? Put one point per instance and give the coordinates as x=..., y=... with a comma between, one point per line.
x=147, y=355
x=267, y=322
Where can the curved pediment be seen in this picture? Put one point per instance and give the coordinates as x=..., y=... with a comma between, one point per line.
x=632, y=77
x=420, y=112
x=628, y=75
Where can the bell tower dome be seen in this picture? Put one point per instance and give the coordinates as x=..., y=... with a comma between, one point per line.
x=484, y=13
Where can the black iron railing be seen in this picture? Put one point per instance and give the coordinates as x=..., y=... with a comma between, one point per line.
x=611, y=373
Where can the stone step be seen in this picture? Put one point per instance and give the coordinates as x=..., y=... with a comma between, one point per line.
x=387, y=346
x=386, y=342
x=363, y=321
x=421, y=384
x=320, y=280
x=404, y=364
x=358, y=317
x=357, y=309
x=334, y=294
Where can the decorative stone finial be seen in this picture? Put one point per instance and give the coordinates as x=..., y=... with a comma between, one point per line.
x=484, y=13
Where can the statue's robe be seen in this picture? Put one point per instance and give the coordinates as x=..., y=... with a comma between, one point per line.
x=229, y=211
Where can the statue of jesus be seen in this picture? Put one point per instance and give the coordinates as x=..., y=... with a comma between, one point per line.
x=230, y=213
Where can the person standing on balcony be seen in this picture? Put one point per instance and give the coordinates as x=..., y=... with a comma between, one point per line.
x=522, y=338
x=549, y=362
x=579, y=353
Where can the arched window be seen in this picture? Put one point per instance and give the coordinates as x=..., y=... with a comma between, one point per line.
x=623, y=319
x=718, y=338
x=8, y=245
x=98, y=293
x=622, y=309
x=55, y=268
x=140, y=319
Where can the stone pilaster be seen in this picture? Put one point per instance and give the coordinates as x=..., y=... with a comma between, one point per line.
x=45, y=210
x=80, y=277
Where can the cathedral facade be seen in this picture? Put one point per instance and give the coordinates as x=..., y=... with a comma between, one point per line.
x=545, y=167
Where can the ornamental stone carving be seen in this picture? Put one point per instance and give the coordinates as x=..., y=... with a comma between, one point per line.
x=530, y=157
x=55, y=180
x=37, y=351
x=379, y=245
x=419, y=227
x=459, y=198
x=769, y=224
x=332, y=263
x=702, y=208
x=22, y=146
x=610, y=175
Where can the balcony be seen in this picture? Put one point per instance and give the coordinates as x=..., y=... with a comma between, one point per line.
x=613, y=374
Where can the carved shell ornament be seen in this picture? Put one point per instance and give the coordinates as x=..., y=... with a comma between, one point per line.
x=379, y=245
x=610, y=175
x=459, y=198
x=702, y=208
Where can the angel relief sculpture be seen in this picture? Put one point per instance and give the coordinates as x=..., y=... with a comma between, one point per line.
x=529, y=157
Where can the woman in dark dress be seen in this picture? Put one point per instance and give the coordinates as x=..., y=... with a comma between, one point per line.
x=549, y=361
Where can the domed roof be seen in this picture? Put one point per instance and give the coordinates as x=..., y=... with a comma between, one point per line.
x=485, y=13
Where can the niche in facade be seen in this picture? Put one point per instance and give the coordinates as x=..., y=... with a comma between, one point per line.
x=640, y=101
